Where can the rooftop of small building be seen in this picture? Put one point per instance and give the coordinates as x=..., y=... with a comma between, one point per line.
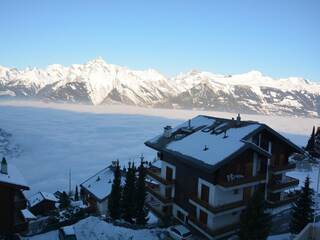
x=210, y=140
x=13, y=177
x=41, y=196
x=100, y=184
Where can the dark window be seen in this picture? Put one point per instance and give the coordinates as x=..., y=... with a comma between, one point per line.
x=204, y=193
x=203, y=217
x=169, y=173
x=236, y=191
x=234, y=213
x=180, y=215
x=255, y=139
x=160, y=155
x=168, y=192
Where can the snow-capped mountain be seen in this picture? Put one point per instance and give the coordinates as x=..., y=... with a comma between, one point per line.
x=98, y=82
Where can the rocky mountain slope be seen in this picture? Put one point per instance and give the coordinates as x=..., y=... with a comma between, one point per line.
x=98, y=82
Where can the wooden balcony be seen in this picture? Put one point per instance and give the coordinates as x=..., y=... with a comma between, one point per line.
x=215, y=232
x=220, y=208
x=289, y=198
x=156, y=193
x=155, y=173
x=242, y=181
x=157, y=212
x=284, y=168
x=288, y=182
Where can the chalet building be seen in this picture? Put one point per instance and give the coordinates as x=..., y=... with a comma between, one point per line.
x=12, y=200
x=210, y=168
x=95, y=191
x=42, y=203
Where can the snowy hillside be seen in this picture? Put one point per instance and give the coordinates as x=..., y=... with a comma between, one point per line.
x=97, y=82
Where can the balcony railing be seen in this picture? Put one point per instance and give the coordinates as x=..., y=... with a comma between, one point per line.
x=242, y=181
x=285, y=183
x=156, y=192
x=155, y=173
x=214, y=232
x=287, y=167
x=218, y=208
x=158, y=212
x=288, y=198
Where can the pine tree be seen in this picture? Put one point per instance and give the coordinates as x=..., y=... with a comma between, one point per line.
x=115, y=195
x=141, y=211
x=255, y=223
x=64, y=200
x=303, y=208
x=76, y=194
x=127, y=201
x=311, y=141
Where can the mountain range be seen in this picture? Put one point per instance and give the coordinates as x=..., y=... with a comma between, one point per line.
x=97, y=82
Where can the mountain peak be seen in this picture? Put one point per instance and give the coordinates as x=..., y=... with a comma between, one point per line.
x=97, y=60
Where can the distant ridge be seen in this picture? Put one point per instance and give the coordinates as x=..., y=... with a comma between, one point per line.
x=97, y=82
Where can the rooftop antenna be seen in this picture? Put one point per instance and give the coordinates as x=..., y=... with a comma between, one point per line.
x=70, y=181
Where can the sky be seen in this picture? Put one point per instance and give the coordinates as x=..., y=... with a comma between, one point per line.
x=280, y=38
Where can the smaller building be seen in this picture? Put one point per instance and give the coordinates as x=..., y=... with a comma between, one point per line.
x=42, y=203
x=96, y=190
x=12, y=200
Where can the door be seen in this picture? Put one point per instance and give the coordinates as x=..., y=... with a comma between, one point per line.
x=169, y=174
x=204, y=193
x=203, y=218
x=247, y=193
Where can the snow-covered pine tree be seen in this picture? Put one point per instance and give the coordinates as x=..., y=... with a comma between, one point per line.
x=255, y=223
x=128, y=201
x=64, y=200
x=115, y=195
x=76, y=194
x=140, y=197
x=303, y=208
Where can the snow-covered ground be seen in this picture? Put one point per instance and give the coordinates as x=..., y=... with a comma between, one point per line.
x=54, y=138
x=92, y=228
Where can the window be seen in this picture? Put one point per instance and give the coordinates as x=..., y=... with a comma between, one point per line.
x=180, y=215
x=169, y=173
x=234, y=213
x=236, y=191
x=204, y=193
x=160, y=155
x=203, y=217
x=168, y=192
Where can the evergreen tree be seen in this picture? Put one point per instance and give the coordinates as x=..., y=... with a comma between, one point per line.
x=76, y=194
x=127, y=201
x=255, y=223
x=115, y=195
x=64, y=200
x=141, y=211
x=303, y=208
x=311, y=141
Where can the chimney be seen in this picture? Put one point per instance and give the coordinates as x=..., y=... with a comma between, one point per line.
x=4, y=166
x=167, y=131
x=238, y=119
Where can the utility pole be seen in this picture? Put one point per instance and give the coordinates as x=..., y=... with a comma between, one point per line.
x=70, y=182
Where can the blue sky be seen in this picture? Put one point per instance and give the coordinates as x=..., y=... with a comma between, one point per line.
x=278, y=37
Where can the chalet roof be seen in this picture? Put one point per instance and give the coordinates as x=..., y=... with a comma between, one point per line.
x=211, y=141
x=100, y=184
x=40, y=197
x=14, y=178
x=27, y=214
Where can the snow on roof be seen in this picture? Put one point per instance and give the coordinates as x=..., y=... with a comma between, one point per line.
x=27, y=214
x=205, y=139
x=68, y=230
x=41, y=196
x=100, y=184
x=13, y=177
